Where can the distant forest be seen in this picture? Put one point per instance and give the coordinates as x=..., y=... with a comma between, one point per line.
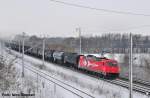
x=114, y=43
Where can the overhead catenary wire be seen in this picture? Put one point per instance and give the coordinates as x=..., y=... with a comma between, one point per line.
x=125, y=29
x=133, y=28
x=100, y=9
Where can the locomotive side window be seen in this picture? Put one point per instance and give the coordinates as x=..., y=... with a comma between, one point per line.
x=112, y=63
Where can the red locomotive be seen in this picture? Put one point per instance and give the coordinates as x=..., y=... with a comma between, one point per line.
x=103, y=65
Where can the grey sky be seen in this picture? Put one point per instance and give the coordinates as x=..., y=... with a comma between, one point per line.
x=54, y=19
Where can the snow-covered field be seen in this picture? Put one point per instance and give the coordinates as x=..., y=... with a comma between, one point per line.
x=34, y=83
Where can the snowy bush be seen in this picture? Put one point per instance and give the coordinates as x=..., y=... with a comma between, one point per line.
x=7, y=74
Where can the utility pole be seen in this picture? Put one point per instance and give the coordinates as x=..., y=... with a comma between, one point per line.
x=2, y=48
x=43, y=49
x=80, y=40
x=23, y=54
x=19, y=46
x=79, y=30
x=87, y=45
x=130, y=68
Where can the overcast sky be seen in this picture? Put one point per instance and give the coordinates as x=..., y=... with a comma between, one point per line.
x=53, y=19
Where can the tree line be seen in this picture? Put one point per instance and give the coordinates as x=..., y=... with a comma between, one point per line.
x=114, y=43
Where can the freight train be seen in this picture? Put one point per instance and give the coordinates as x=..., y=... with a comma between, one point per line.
x=108, y=68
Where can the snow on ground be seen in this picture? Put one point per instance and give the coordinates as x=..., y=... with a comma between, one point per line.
x=95, y=87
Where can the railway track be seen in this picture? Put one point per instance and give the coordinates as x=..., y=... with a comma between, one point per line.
x=138, y=81
x=138, y=85
x=141, y=81
x=65, y=86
